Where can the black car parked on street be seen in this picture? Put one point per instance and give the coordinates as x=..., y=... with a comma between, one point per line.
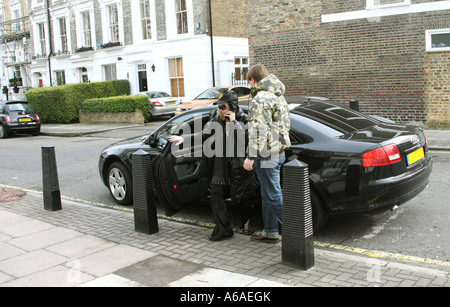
x=356, y=163
x=18, y=116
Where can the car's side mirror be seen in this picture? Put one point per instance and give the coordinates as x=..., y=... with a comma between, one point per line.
x=151, y=140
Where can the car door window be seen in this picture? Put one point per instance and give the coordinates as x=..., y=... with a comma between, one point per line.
x=185, y=124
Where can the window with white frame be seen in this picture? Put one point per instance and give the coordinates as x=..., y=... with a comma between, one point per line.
x=86, y=38
x=146, y=25
x=63, y=34
x=181, y=16
x=17, y=24
x=2, y=20
x=83, y=72
x=60, y=77
x=376, y=4
x=240, y=69
x=176, y=77
x=437, y=40
x=109, y=72
x=113, y=22
x=41, y=36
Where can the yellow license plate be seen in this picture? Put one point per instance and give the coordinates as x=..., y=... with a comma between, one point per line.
x=23, y=120
x=171, y=102
x=415, y=156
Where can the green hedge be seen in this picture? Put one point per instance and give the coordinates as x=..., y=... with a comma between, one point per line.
x=118, y=104
x=60, y=104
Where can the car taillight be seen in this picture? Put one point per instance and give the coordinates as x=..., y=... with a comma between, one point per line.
x=426, y=140
x=8, y=119
x=37, y=118
x=157, y=104
x=385, y=155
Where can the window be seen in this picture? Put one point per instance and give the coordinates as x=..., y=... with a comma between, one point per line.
x=60, y=77
x=83, y=74
x=113, y=22
x=86, y=40
x=176, y=76
x=437, y=40
x=63, y=34
x=2, y=20
x=110, y=72
x=142, y=76
x=240, y=69
x=371, y=4
x=145, y=19
x=16, y=25
x=181, y=16
x=41, y=35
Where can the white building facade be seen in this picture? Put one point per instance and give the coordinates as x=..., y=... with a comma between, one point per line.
x=155, y=44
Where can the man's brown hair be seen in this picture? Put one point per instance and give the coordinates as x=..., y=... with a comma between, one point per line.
x=257, y=72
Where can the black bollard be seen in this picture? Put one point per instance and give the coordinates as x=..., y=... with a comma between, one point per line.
x=354, y=104
x=297, y=243
x=52, y=194
x=145, y=215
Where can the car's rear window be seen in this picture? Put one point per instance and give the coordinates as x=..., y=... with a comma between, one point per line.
x=20, y=107
x=341, y=119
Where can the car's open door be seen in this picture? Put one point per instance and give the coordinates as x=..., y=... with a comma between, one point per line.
x=181, y=173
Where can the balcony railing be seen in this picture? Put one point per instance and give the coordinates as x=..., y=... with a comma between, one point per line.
x=15, y=29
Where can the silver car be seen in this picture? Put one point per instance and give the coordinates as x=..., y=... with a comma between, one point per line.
x=163, y=103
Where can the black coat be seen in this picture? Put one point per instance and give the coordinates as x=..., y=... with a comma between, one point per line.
x=227, y=166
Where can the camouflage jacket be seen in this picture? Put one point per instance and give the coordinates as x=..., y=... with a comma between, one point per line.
x=268, y=120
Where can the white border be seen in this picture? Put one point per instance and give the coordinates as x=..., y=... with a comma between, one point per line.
x=429, y=33
x=387, y=11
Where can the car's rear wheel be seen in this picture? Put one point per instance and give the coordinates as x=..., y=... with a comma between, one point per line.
x=319, y=211
x=120, y=184
x=3, y=132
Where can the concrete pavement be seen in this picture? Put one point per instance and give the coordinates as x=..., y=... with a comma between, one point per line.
x=86, y=246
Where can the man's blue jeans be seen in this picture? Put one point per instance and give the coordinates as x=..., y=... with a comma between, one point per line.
x=268, y=172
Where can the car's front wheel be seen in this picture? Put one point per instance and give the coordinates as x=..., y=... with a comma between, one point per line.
x=120, y=184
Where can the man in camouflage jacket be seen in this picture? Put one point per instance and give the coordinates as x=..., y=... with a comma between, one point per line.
x=268, y=130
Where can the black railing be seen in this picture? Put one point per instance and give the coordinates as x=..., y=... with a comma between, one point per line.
x=240, y=78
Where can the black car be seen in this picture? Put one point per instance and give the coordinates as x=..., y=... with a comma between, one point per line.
x=18, y=116
x=357, y=163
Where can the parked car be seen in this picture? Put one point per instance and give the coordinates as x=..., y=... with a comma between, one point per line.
x=357, y=163
x=18, y=116
x=163, y=103
x=211, y=95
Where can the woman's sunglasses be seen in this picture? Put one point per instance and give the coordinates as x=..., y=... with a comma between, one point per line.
x=223, y=106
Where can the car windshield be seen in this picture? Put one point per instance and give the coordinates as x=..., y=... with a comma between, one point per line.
x=20, y=107
x=341, y=119
x=157, y=94
x=212, y=93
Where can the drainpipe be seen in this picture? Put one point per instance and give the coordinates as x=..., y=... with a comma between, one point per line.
x=50, y=43
x=212, y=44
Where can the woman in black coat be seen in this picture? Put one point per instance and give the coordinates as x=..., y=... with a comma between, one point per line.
x=227, y=132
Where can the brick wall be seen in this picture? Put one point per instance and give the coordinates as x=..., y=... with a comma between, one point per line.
x=437, y=88
x=382, y=63
x=229, y=18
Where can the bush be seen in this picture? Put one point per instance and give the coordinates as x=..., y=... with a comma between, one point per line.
x=60, y=104
x=118, y=104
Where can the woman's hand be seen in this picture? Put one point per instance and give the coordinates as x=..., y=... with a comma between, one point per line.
x=248, y=164
x=231, y=116
x=177, y=139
